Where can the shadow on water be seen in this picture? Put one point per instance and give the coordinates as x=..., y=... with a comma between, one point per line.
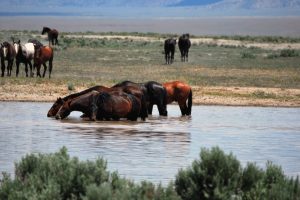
x=154, y=150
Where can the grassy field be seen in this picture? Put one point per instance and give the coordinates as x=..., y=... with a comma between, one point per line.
x=81, y=61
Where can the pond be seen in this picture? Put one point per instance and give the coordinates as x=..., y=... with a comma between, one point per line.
x=154, y=150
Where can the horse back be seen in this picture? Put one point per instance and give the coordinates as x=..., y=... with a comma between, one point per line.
x=177, y=91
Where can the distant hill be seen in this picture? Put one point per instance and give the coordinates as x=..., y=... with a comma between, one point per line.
x=256, y=4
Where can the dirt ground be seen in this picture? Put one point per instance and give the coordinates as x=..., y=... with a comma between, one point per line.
x=233, y=96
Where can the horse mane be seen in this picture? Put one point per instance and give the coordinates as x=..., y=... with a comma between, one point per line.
x=81, y=93
x=46, y=29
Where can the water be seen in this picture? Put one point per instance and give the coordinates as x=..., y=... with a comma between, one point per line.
x=154, y=150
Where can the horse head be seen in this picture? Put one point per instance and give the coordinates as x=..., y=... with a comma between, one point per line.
x=64, y=110
x=17, y=46
x=55, y=107
x=45, y=30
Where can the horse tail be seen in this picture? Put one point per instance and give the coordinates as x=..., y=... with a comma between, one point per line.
x=190, y=102
x=144, y=110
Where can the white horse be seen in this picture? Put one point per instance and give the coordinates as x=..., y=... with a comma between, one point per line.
x=25, y=53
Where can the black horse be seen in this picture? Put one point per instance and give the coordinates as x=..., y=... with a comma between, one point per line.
x=169, y=50
x=36, y=42
x=184, y=44
x=154, y=93
x=52, y=35
x=7, y=53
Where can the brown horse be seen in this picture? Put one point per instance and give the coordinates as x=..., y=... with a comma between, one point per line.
x=7, y=53
x=83, y=103
x=127, y=89
x=52, y=35
x=41, y=56
x=180, y=92
x=116, y=105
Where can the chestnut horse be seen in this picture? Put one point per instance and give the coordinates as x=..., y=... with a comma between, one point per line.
x=127, y=89
x=52, y=35
x=154, y=92
x=7, y=53
x=83, y=103
x=41, y=56
x=180, y=92
x=116, y=105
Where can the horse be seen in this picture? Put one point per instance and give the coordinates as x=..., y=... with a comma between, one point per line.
x=180, y=92
x=52, y=35
x=7, y=53
x=37, y=43
x=83, y=103
x=41, y=56
x=154, y=92
x=127, y=89
x=25, y=54
x=169, y=50
x=116, y=105
x=184, y=44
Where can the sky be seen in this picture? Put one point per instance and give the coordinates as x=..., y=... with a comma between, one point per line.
x=151, y=8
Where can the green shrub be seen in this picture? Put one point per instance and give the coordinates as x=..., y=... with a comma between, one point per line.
x=71, y=87
x=247, y=55
x=289, y=53
x=214, y=176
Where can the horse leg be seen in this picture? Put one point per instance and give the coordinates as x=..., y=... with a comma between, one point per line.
x=56, y=41
x=30, y=66
x=50, y=66
x=2, y=68
x=172, y=57
x=26, y=68
x=150, y=108
x=183, y=108
x=38, y=70
x=45, y=68
x=166, y=58
x=17, y=70
x=8, y=68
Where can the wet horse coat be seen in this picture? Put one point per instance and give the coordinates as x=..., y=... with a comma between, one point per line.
x=7, y=53
x=83, y=103
x=127, y=89
x=180, y=92
x=154, y=92
x=116, y=105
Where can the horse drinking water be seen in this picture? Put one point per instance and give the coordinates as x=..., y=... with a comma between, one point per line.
x=52, y=35
x=7, y=53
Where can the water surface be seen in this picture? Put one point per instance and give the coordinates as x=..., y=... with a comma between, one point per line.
x=154, y=150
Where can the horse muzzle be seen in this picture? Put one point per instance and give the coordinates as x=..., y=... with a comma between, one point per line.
x=57, y=117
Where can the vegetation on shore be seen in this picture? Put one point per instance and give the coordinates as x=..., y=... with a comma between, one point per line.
x=215, y=175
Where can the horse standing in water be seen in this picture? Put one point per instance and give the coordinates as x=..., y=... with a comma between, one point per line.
x=169, y=50
x=127, y=89
x=116, y=105
x=41, y=56
x=52, y=35
x=25, y=54
x=83, y=103
x=181, y=93
x=184, y=44
x=154, y=92
x=7, y=53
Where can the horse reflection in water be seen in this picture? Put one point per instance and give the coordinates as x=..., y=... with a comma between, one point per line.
x=96, y=105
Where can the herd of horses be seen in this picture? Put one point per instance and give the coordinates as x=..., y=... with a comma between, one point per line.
x=25, y=53
x=127, y=100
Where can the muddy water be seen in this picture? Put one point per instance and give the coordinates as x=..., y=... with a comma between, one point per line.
x=154, y=150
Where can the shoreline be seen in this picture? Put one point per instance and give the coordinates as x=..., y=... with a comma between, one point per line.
x=202, y=95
